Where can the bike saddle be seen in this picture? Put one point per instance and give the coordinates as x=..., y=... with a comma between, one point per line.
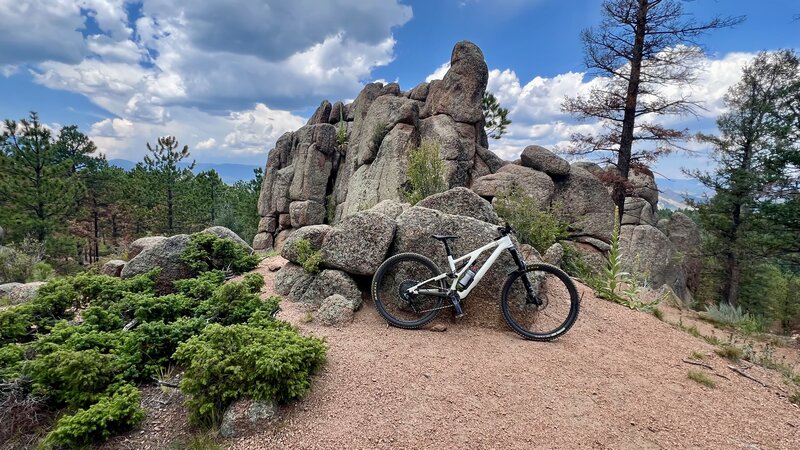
x=439, y=237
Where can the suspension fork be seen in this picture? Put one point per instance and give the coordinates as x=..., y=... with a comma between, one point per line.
x=532, y=298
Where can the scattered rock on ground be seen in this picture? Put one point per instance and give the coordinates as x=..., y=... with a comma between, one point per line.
x=247, y=415
x=17, y=293
x=554, y=255
x=335, y=310
x=113, y=268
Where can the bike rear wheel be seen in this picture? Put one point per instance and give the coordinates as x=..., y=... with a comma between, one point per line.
x=549, y=312
x=389, y=290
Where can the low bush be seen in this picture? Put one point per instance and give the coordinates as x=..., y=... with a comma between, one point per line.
x=206, y=251
x=235, y=303
x=265, y=360
x=701, y=378
x=150, y=346
x=75, y=379
x=426, y=172
x=307, y=256
x=110, y=415
x=726, y=315
x=202, y=286
x=532, y=225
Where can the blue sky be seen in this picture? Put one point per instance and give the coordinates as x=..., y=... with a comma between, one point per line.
x=228, y=78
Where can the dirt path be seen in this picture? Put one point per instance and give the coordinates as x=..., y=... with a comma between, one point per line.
x=616, y=380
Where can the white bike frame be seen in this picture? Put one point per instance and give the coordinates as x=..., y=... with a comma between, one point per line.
x=501, y=244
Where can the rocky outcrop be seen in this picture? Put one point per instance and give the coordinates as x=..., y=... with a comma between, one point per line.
x=17, y=293
x=461, y=201
x=165, y=254
x=113, y=268
x=359, y=243
x=227, y=233
x=312, y=177
x=646, y=251
x=684, y=234
x=543, y=160
x=142, y=244
x=532, y=183
x=583, y=201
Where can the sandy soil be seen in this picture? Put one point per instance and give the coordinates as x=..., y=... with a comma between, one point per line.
x=616, y=380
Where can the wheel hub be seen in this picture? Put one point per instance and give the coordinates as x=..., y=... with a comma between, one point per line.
x=405, y=294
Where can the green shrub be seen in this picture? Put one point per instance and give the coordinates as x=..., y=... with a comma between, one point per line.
x=254, y=282
x=233, y=303
x=206, y=252
x=166, y=308
x=11, y=356
x=41, y=271
x=225, y=363
x=15, y=324
x=101, y=319
x=64, y=336
x=110, y=415
x=732, y=316
x=75, y=379
x=151, y=345
x=532, y=225
x=426, y=172
x=307, y=256
x=202, y=286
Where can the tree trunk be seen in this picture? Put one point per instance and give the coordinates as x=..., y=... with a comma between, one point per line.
x=96, y=255
x=629, y=118
x=734, y=279
x=169, y=211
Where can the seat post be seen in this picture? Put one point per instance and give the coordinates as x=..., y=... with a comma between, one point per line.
x=446, y=247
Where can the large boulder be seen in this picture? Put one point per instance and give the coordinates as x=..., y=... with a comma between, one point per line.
x=322, y=114
x=314, y=234
x=542, y=159
x=390, y=208
x=310, y=290
x=290, y=275
x=17, y=293
x=165, y=254
x=583, y=201
x=142, y=244
x=113, y=268
x=647, y=252
x=532, y=183
x=308, y=212
x=638, y=211
x=227, y=233
x=414, y=230
x=359, y=243
x=460, y=92
x=461, y=201
x=684, y=234
x=643, y=185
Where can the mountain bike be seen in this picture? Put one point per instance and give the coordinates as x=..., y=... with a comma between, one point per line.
x=539, y=301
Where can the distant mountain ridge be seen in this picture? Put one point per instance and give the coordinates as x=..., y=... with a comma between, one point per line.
x=230, y=173
x=674, y=192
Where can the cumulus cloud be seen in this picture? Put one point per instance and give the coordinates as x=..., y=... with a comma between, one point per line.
x=196, y=70
x=535, y=106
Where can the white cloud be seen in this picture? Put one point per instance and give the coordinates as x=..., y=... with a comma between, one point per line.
x=207, y=144
x=260, y=125
x=438, y=74
x=535, y=106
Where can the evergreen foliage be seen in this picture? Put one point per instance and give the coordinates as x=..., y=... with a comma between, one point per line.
x=532, y=226
x=426, y=172
x=206, y=252
x=495, y=117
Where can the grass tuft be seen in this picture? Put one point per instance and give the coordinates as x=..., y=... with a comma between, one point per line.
x=701, y=378
x=729, y=351
x=700, y=356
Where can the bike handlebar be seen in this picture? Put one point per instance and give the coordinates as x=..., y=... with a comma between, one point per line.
x=505, y=230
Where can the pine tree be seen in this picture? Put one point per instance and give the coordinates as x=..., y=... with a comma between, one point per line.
x=753, y=214
x=163, y=163
x=39, y=193
x=640, y=47
x=495, y=117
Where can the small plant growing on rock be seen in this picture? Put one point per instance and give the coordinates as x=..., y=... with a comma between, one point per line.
x=532, y=225
x=617, y=285
x=307, y=256
x=425, y=172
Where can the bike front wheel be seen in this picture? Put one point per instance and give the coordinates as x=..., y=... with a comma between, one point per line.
x=542, y=308
x=390, y=290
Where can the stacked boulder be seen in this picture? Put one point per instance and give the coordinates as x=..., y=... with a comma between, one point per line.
x=349, y=158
